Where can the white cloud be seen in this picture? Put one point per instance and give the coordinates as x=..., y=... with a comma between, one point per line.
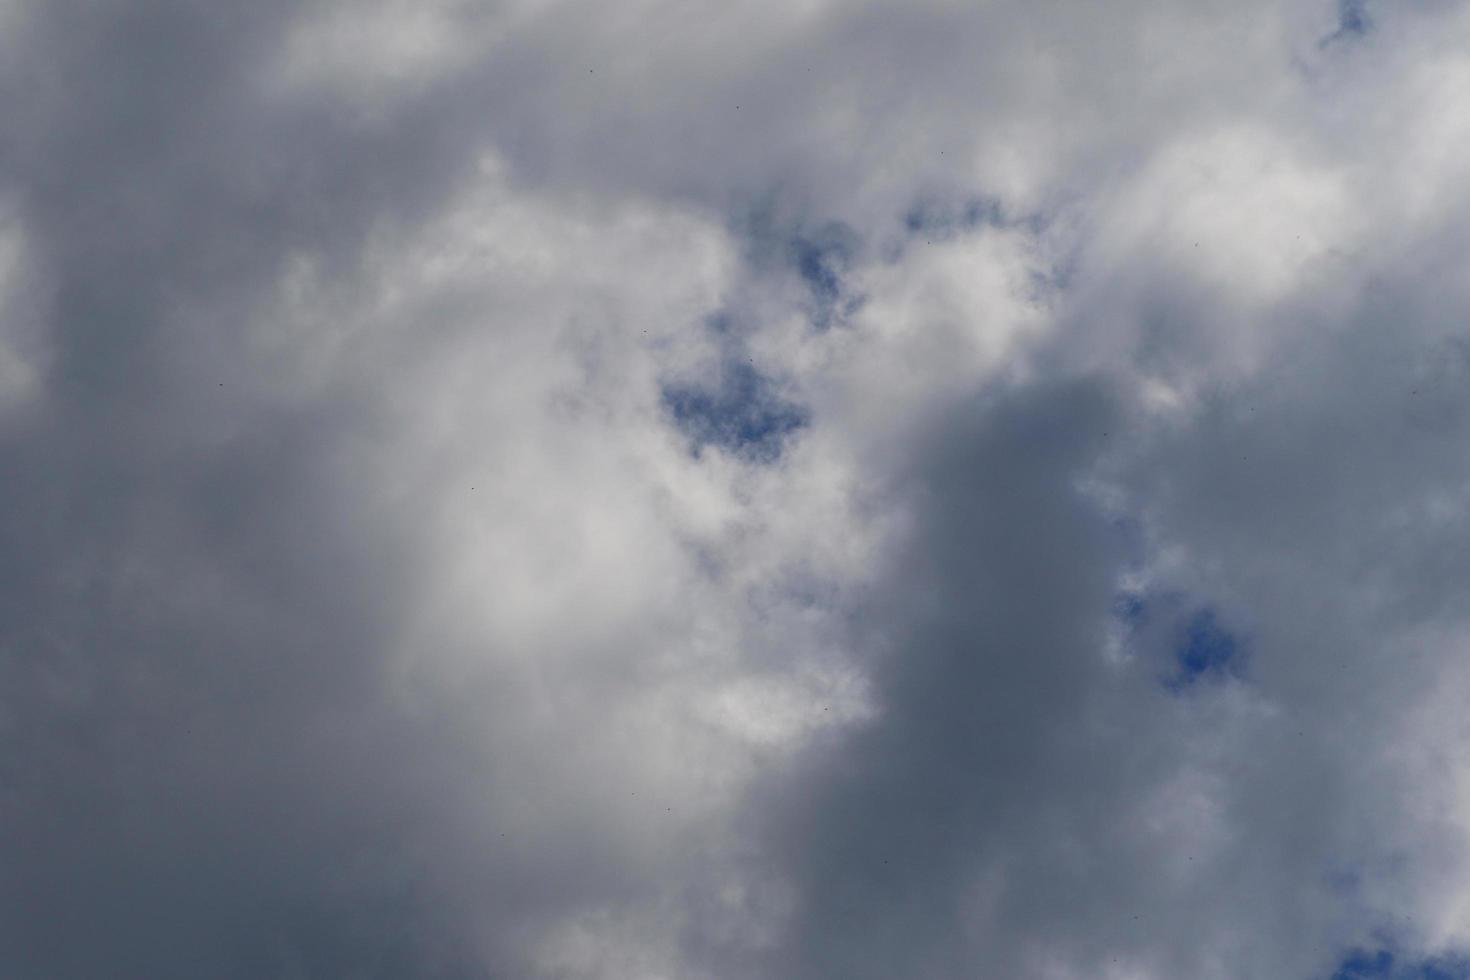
x=374, y=601
x=22, y=339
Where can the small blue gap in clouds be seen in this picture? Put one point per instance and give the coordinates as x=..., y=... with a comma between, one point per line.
x=1352, y=21
x=1362, y=965
x=1381, y=964
x=1352, y=17
x=822, y=259
x=818, y=254
x=1131, y=608
x=1205, y=651
x=1194, y=642
x=742, y=413
x=1196, y=645
x=820, y=268
x=940, y=221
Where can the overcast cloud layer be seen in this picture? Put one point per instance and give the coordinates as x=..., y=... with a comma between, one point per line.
x=773, y=489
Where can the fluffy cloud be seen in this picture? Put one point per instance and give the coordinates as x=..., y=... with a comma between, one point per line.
x=798, y=489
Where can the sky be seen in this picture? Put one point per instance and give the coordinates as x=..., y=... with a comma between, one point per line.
x=639, y=490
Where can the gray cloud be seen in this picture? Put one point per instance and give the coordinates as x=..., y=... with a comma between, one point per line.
x=366, y=612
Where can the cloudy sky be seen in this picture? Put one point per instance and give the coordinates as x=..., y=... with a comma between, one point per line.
x=798, y=489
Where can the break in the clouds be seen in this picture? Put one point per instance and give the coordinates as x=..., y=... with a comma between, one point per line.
x=517, y=488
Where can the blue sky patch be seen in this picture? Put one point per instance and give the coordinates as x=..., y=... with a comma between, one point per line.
x=1363, y=965
x=1204, y=650
x=1381, y=964
x=742, y=413
x=1131, y=608
x=1352, y=17
x=1352, y=21
x=820, y=266
x=934, y=221
x=818, y=256
x=1168, y=629
x=822, y=260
